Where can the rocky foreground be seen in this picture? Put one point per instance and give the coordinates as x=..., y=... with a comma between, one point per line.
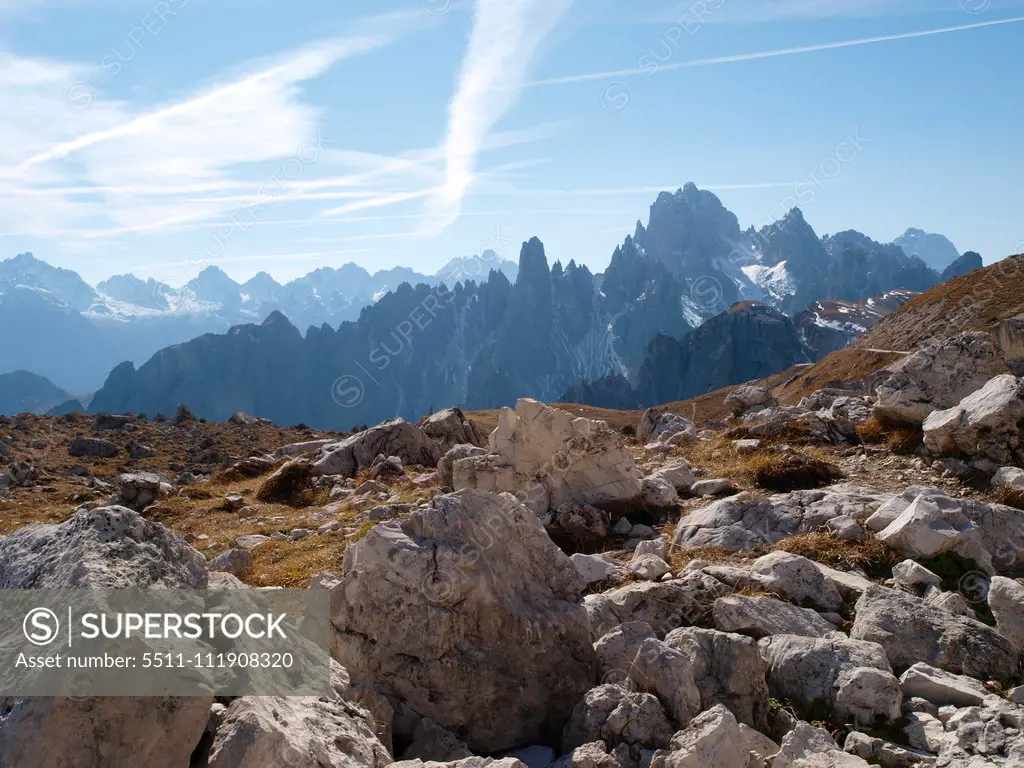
x=827, y=583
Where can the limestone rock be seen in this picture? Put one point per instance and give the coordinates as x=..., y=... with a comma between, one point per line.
x=664, y=605
x=614, y=715
x=658, y=425
x=391, y=438
x=763, y=616
x=446, y=464
x=749, y=396
x=1006, y=599
x=92, y=446
x=470, y=615
x=234, y=561
x=680, y=476
x=911, y=630
x=924, y=529
x=941, y=687
x=666, y=672
x=808, y=747
x=938, y=376
x=450, y=427
x=740, y=522
x=853, y=678
x=983, y=426
x=799, y=580
x=659, y=492
x=594, y=568
x=617, y=649
x=712, y=740
x=727, y=669
x=106, y=547
x=297, y=732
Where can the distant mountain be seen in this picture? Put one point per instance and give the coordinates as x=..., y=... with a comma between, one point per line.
x=969, y=262
x=689, y=302
x=74, y=334
x=934, y=250
x=22, y=392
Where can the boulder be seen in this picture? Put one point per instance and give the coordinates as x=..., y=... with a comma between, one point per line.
x=659, y=492
x=468, y=614
x=297, y=732
x=941, y=687
x=594, y=568
x=650, y=567
x=104, y=548
x=727, y=669
x=548, y=458
x=666, y=672
x=714, y=487
x=798, y=580
x=617, y=649
x=911, y=630
x=391, y=438
x=763, y=616
x=924, y=529
x=1009, y=477
x=985, y=424
x=386, y=468
x=450, y=427
x=680, y=476
x=431, y=742
x=1006, y=600
x=712, y=740
x=808, y=747
x=658, y=425
x=742, y=521
x=446, y=464
x=295, y=450
x=936, y=377
x=851, y=678
x=234, y=561
x=664, y=605
x=92, y=446
x=614, y=715
x=140, y=489
x=913, y=576
x=1000, y=527
x=747, y=397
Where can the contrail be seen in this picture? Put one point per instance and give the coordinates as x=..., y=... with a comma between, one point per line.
x=766, y=54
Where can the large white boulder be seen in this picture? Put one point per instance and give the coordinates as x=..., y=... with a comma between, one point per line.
x=549, y=458
x=104, y=548
x=852, y=678
x=470, y=615
x=985, y=424
x=937, y=376
x=298, y=732
x=924, y=529
x=712, y=740
x=912, y=630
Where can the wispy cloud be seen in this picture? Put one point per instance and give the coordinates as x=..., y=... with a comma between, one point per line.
x=636, y=71
x=503, y=44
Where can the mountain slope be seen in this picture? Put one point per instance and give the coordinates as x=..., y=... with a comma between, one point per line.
x=979, y=300
x=22, y=392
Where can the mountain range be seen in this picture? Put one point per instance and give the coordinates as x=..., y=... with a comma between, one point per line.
x=484, y=344
x=74, y=334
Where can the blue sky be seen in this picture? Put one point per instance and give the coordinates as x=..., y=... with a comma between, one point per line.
x=161, y=137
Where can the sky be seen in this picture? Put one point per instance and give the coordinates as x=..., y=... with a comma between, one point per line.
x=159, y=138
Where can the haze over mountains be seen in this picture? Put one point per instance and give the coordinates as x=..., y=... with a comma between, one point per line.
x=484, y=344
x=73, y=334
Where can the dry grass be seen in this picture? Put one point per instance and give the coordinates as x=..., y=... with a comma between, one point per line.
x=680, y=557
x=903, y=440
x=870, y=554
x=1011, y=497
x=782, y=473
